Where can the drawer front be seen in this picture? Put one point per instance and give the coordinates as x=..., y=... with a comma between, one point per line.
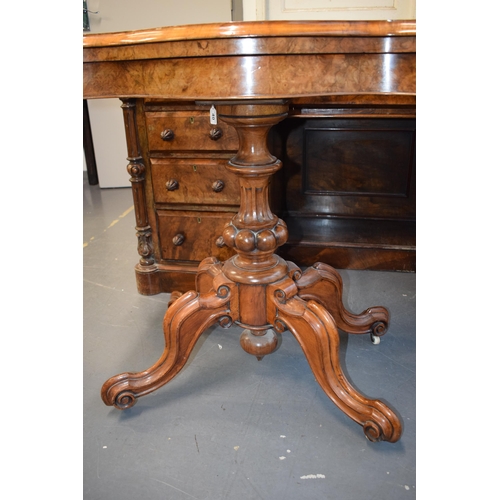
x=192, y=236
x=194, y=181
x=188, y=130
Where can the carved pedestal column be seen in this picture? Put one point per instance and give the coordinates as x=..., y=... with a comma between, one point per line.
x=254, y=232
x=146, y=268
x=260, y=292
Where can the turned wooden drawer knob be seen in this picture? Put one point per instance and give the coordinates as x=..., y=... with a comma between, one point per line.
x=218, y=185
x=178, y=239
x=220, y=242
x=172, y=184
x=167, y=134
x=215, y=134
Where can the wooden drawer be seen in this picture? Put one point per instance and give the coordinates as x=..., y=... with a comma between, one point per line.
x=192, y=236
x=188, y=131
x=194, y=181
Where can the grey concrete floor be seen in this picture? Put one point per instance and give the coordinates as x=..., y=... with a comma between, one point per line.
x=229, y=426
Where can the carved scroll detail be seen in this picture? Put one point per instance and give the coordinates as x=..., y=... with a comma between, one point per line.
x=315, y=330
x=145, y=246
x=187, y=318
x=323, y=284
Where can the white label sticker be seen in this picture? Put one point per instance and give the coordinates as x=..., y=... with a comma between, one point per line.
x=213, y=116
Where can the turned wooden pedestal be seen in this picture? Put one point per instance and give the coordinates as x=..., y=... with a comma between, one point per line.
x=262, y=293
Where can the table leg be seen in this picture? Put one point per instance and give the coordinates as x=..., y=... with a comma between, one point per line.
x=260, y=292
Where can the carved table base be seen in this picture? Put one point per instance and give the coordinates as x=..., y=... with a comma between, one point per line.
x=265, y=295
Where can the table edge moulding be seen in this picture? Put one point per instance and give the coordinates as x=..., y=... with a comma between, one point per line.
x=252, y=72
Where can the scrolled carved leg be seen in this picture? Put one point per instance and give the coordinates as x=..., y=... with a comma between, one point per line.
x=323, y=284
x=187, y=318
x=315, y=330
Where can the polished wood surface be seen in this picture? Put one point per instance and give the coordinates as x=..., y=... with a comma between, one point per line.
x=269, y=29
x=348, y=186
x=252, y=70
x=253, y=60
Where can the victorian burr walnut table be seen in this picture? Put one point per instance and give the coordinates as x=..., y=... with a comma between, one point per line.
x=250, y=72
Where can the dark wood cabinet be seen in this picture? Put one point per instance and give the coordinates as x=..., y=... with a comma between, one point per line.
x=346, y=190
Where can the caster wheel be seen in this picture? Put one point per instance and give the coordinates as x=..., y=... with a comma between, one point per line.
x=173, y=297
x=375, y=340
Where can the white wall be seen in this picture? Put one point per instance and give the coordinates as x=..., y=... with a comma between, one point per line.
x=328, y=9
x=106, y=117
x=124, y=15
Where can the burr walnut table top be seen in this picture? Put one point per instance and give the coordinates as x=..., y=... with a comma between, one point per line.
x=253, y=60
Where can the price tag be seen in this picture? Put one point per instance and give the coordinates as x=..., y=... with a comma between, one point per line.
x=213, y=116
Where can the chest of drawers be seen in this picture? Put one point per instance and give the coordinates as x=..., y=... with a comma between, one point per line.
x=346, y=189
